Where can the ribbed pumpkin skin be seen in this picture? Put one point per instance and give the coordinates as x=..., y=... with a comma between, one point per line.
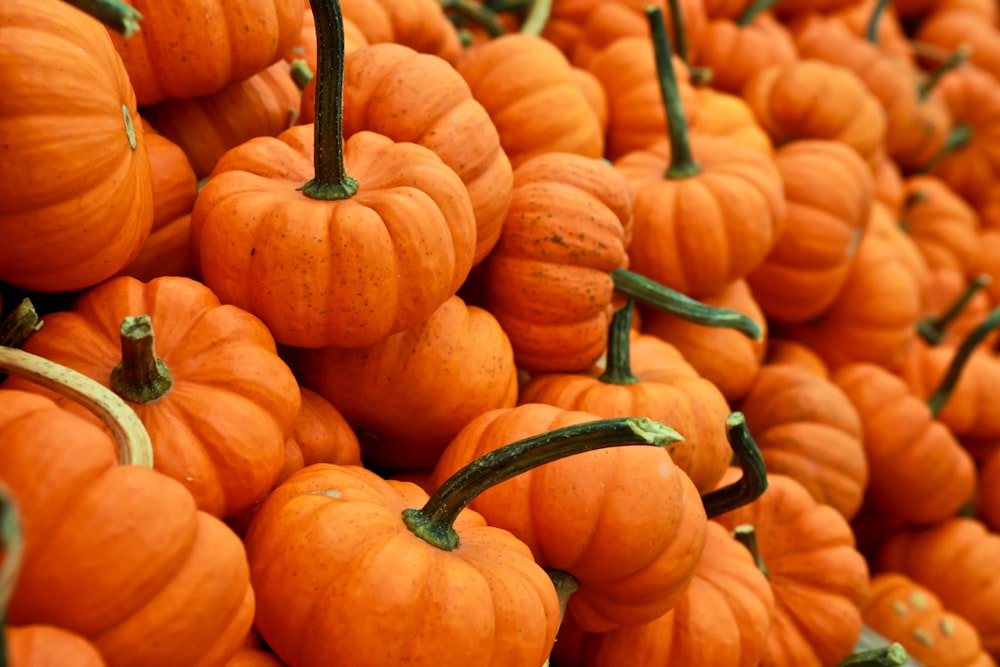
x=547, y=280
x=410, y=96
x=812, y=99
x=901, y=610
x=807, y=428
x=49, y=646
x=412, y=392
x=221, y=429
x=112, y=551
x=536, y=79
x=341, y=580
x=348, y=272
x=723, y=620
x=725, y=115
x=942, y=224
x=736, y=53
x=818, y=577
x=206, y=127
x=956, y=559
x=918, y=471
x=805, y=271
x=75, y=196
x=626, y=522
x=191, y=48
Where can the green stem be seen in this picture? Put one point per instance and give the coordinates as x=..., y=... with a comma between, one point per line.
x=682, y=163
x=933, y=329
x=752, y=484
x=653, y=293
x=755, y=10
x=19, y=324
x=871, y=32
x=618, y=367
x=141, y=377
x=13, y=555
x=892, y=655
x=331, y=181
x=566, y=584
x=940, y=397
x=462, y=11
x=954, y=60
x=959, y=137
x=538, y=15
x=680, y=33
x=134, y=447
x=434, y=522
x=746, y=535
x=113, y=13
x=301, y=74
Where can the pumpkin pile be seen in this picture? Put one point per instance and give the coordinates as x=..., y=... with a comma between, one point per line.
x=582, y=333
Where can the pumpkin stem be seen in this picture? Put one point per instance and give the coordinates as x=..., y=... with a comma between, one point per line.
x=537, y=17
x=940, y=397
x=141, y=377
x=18, y=325
x=12, y=539
x=752, y=484
x=618, y=367
x=892, y=655
x=653, y=293
x=301, y=74
x=682, y=164
x=113, y=13
x=566, y=584
x=959, y=137
x=755, y=10
x=462, y=11
x=933, y=329
x=953, y=61
x=746, y=535
x=871, y=32
x=433, y=523
x=331, y=181
x=134, y=447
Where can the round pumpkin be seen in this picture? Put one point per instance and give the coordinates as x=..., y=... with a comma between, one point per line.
x=49, y=646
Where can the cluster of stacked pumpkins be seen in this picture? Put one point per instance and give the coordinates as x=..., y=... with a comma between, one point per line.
x=582, y=333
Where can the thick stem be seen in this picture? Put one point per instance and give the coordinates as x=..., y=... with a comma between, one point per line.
x=680, y=31
x=537, y=17
x=871, y=32
x=113, y=13
x=566, y=584
x=954, y=60
x=13, y=555
x=464, y=11
x=940, y=397
x=755, y=10
x=892, y=655
x=653, y=293
x=134, y=447
x=959, y=137
x=141, y=377
x=618, y=367
x=933, y=329
x=331, y=181
x=19, y=324
x=301, y=74
x=746, y=535
x=433, y=523
x=682, y=164
x=752, y=484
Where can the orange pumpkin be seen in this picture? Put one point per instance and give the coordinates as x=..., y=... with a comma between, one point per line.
x=75, y=204
x=789, y=352
x=988, y=499
x=284, y=231
x=725, y=115
x=49, y=646
x=944, y=227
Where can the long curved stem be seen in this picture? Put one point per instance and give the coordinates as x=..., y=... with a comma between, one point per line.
x=113, y=13
x=463, y=10
x=331, y=181
x=752, y=484
x=537, y=17
x=755, y=10
x=682, y=163
x=940, y=397
x=958, y=138
x=871, y=32
x=134, y=446
x=618, y=367
x=953, y=61
x=933, y=329
x=434, y=522
x=653, y=293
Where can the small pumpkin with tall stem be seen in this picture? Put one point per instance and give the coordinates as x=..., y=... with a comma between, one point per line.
x=691, y=403
x=112, y=547
x=942, y=224
x=346, y=564
x=708, y=209
x=633, y=556
x=284, y=231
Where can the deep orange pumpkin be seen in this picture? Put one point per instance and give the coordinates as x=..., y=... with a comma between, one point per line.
x=49, y=646
x=75, y=189
x=943, y=225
